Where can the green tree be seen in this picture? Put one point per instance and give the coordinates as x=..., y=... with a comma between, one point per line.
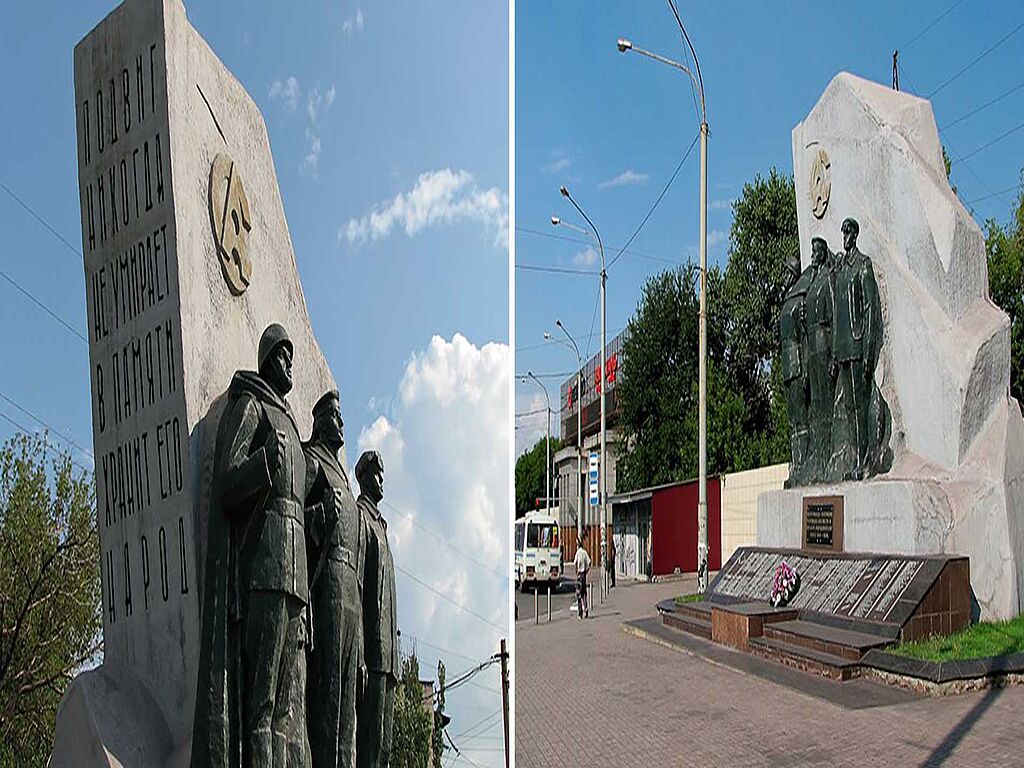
x=50, y=594
x=530, y=476
x=747, y=424
x=411, y=736
x=763, y=236
x=1004, y=246
x=654, y=390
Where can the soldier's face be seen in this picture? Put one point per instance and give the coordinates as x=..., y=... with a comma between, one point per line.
x=279, y=369
x=375, y=481
x=334, y=427
x=849, y=237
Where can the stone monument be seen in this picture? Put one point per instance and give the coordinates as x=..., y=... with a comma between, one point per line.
x=187, y=260
x=949, y=465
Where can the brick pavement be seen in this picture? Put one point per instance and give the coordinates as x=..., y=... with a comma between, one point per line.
x=587, y=693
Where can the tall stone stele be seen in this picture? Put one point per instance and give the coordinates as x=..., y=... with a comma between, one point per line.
x=956, y=481
x=187, y=260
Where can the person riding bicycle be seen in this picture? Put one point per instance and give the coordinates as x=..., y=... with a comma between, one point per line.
x=582, y=562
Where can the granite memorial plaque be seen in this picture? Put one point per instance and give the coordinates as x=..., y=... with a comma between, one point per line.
x=822, y=528
x=853, y=586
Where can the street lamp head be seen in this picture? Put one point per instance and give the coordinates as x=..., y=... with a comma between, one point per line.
x=559, y=323
x=564, y=191
x=624, y=45
x=547, y=335
x=555, y=221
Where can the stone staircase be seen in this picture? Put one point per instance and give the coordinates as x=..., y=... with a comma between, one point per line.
x=814, y=643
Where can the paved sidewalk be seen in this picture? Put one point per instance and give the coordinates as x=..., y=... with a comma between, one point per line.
x=588, y=693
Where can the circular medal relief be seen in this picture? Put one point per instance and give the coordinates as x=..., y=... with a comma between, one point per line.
x=821, y=183
x=229, y=215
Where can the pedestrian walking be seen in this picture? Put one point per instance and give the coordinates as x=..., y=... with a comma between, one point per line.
x=582, y=562
x=611, y=563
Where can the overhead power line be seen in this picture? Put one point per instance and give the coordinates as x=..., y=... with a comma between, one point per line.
x=978, y=109
x=56, y=432
x=981, y=56
x=43, y=306
x=454, y=602
x=996, y=140
x=931, y=24
x=40, y=219
x=581, y=241
x=443, y=540
x=559, y=270
x=672, y=178
x=26, y=431
x=997, y=193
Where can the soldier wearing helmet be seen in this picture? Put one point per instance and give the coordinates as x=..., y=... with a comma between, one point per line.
x=250, y=705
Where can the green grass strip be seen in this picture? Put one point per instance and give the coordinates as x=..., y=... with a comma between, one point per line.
x=697, y=598
x=997, y=638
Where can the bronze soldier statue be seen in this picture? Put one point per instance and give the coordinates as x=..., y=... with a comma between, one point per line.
x=793, y=342
x=334, y=550
x=821, y=385
x=857, y=341
x=380, y=624
x=250, y=704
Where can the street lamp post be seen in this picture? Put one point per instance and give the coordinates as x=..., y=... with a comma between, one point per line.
x=702, y=390
x=579, y=418
x=601, y=383
x=547, y=466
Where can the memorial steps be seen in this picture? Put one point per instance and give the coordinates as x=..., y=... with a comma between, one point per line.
x=830, y=639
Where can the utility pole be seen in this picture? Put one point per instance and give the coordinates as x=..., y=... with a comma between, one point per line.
x=702, y=496
x=504, y=694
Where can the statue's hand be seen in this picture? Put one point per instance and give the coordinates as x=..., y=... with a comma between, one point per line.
x=273, y=449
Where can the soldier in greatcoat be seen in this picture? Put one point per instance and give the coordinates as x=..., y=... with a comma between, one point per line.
x=857, y=341
x=793, y=348
x=250, y=702
x=380, y=620
x=335, y=560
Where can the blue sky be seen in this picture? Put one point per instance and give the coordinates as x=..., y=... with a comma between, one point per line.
x=613, y=127
x=363, y=103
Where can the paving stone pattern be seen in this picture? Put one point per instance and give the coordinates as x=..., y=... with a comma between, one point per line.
x=587, y=693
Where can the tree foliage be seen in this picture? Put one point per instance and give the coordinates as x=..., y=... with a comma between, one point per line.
x=50, y=594
x=747, y=424
x=530, y=477
x=411, y=745
x=1004, y=246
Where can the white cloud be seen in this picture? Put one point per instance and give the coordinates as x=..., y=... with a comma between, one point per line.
x=585, y=258
x=353, y=23
x=560, y=161
x=439, y=197
x=724, y=204
x=716, y=236
x=446, y=473
x=628, y=177
x=533, y=425
x=314, y=100
x=288, y=91
x=311, y=162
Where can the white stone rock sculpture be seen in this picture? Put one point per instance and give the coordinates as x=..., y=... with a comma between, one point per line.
x=154, y=108
x=957, y=480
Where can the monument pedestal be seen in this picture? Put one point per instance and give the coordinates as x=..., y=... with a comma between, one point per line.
x=906, y=517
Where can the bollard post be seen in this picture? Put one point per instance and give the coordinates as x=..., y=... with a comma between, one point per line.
x=549, y=602
x=536, y=607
